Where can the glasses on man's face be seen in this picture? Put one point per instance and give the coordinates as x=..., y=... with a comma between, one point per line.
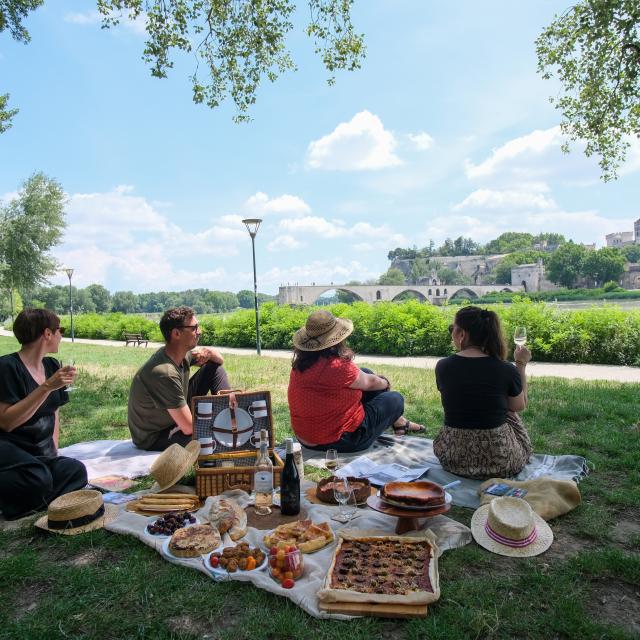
x=60, y=329
x=193, y=327
x=450, y=329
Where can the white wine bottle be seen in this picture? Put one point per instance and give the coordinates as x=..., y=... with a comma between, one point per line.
x=263, y=479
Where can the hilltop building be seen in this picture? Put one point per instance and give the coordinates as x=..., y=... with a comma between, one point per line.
x=624, y=238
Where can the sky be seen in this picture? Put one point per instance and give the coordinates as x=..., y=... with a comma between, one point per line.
x=447, y=130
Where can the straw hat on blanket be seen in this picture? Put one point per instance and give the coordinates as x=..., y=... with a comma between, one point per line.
x=509, y=527
x=77, y=512
x=321, y=331
x=172, y=464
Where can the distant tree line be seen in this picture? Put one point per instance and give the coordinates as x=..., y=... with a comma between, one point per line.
x=97, y=299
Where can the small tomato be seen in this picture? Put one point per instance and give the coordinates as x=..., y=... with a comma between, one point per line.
x=288, y=583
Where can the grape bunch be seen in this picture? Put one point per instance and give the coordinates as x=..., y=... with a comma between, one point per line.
x=169, y=523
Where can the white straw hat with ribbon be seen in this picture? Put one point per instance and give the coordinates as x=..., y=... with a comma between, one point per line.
x=77, y=512
x=510, y=527
x=321, y=331
x=172, y=464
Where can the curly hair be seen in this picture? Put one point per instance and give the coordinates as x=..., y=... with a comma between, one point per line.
x=174, y=318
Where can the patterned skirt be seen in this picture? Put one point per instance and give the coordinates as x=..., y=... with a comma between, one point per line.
x=484, y=453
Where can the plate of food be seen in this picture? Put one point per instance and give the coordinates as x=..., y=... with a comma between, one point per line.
x=192, y=542
x=415, y=496
x=239, y=559
x=305, y=534
x=167, y=524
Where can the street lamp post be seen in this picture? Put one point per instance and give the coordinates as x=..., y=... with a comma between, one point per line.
x=69, y=273
x=252, y=225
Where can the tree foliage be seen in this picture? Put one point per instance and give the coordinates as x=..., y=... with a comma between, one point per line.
x=564, y=267
x=631, y=252
x=239, y=43
x=502, y=270
x=392, y=276
x=30, y=225
x=603, y=265
x=594, y=50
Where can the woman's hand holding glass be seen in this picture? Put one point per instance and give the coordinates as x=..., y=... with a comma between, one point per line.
x=521, y=354
x=63, y=377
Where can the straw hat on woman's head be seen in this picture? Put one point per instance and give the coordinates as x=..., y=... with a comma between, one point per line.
x=321, y=331
x=77, y=512
x=173, y=463
x=510, y=527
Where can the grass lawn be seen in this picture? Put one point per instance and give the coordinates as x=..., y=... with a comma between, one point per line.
x=102, y=585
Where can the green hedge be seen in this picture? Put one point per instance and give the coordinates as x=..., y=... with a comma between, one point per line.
x=603, y=335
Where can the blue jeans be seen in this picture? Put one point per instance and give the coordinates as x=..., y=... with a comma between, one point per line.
x=381, y=410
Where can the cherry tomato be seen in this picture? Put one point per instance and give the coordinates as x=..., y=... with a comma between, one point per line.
x=287, y=583
x=214, y=561
x=274, y=550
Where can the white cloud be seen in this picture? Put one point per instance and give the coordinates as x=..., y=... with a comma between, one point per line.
x=508, y=199
x=321, y=272
x=523, y=149
x=632, y=163
x=137, y=25
x=284, y=243
x=358, y=145
x=261, y=204
x=422, y=141
x=317, y=227
x=88, y=17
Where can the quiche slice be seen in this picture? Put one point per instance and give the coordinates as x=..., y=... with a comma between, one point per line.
x=306, y=535
x=191, y=542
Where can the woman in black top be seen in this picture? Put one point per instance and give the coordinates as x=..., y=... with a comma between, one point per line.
x=483, y=436
x=31, y=390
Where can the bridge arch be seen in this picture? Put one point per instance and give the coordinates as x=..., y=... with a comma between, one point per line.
x=351, y=292
x=415, y=293
x=464, y=293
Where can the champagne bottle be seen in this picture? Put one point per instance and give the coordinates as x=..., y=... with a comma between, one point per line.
x=290, y=484
x=263, y=478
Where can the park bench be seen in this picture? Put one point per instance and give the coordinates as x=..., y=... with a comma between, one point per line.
x=136, y=339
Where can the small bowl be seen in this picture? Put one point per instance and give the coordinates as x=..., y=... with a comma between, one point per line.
x=283, y=564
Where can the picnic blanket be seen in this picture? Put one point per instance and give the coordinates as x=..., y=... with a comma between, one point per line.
x=111, y=457
x=449, y=535
x=412, y=451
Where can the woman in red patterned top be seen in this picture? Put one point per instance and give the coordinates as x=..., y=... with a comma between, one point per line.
x=334, y=404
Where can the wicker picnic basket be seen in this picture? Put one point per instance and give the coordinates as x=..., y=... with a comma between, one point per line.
x=234, y=423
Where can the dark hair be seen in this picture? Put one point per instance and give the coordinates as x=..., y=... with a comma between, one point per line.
x=30, y=324
x=303, y=360
x=174, y=318
x=484, y=329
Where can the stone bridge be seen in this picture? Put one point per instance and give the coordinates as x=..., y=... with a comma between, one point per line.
x=435, y=294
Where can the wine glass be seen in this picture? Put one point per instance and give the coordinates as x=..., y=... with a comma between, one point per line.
x=69, y=362
x=520, y=336
x=345, y=497
x=331, y=460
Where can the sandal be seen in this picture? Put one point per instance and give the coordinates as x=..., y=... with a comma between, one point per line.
x=407, y=427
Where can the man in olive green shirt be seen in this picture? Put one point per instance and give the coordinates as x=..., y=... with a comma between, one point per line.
x=159, y=401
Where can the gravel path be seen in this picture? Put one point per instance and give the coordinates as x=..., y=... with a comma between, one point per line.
x=534, y=369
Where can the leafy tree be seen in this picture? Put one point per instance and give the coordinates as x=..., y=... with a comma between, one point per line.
x=100, y=296
x=509, y=242
x=245, y=298
x=403, y=254
x=451, y=276
x=392, y=276
x=603, y=265
x=632, y=253
x=6, y=114
x=238, y=43
x=502, y=270
x=564, y=267
x=594, y=49
x=30, y=225
x=419, y=269
x=125, y=302
x=549, y=241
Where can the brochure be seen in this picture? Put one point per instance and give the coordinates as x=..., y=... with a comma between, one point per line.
x=379, y=474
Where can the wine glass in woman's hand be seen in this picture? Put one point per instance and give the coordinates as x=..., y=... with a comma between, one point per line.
x=520, y=336
x=70, y=364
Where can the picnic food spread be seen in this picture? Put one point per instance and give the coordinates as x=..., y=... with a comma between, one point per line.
x=285, y=564
x=413, y=494
x=169, y=523
x=306, y=535
x=240, y=558
x=361, y=488
x=191, y=542
x=382, y=569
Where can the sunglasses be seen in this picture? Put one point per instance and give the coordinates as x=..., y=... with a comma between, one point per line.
x=60, y=329
x=450, y=329
x=193, y=327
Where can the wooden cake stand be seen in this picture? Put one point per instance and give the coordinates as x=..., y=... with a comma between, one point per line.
x=407, y=518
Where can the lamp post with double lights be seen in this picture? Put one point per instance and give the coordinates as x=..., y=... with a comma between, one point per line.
x=253, y=225
x=69, y=273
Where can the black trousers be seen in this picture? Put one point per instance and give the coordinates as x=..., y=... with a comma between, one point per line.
x=210, y=377
x=381, y=410
x=29, y=483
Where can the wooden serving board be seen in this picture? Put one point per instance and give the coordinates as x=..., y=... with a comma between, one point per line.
x=376, y=610
x=272, y=520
